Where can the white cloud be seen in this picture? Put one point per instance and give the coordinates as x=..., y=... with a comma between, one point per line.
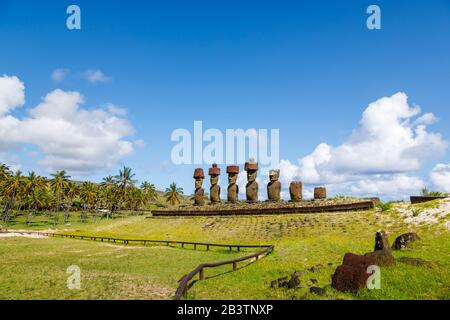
x=116, y=110
x=380, y=185
x=139, y=143
x=379, y=156
x=58, y=75
x=11, y=94
x=440, y=177
x=95, y=76
x=426, y=119
x=71, y=137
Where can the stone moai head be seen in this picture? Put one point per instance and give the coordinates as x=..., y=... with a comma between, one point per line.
x=274, y=175
x=295, y=191
x=198, y=176
x=199, y=192
x=252, y=170
x=274, y=186
x=232, y=172
x=320, y=193
x=214, y=173
x=252, y=186
x=233, y=189
x=214, y=191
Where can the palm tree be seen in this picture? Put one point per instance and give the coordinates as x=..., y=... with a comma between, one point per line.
x=4, y=171
x=71, y=191
x=59, y=183
x=149, y=190
x=109, y=192
x=173, y=194
x=89, y=196
x=12, y=188
x=32, y=183
x=124, y=180
x=136, y=198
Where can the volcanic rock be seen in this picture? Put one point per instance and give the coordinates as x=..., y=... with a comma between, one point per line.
x=404, y=240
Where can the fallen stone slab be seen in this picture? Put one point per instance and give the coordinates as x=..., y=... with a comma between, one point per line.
x=415, y=261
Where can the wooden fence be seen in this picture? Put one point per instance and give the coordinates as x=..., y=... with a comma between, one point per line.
x=200, y=270
x=184, y=282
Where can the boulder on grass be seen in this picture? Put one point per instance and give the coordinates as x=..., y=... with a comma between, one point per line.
x=382, y=255
x=318, y=291
x=381, y=241
x=294, y=282
x=352, y=275
x=404, y=240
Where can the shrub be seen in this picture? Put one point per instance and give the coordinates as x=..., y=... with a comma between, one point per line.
x=385, y=206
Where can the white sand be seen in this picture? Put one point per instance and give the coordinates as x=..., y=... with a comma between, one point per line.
x=24, y=235
x=438, y=215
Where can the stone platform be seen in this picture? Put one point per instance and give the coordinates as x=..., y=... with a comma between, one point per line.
x=267, y=208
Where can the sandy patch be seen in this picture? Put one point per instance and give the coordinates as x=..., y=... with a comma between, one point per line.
x=24, y=235
x=412, y=215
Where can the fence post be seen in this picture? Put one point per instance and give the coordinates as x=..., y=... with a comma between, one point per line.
x=234, y=266
x=202, y=274
x=195, y=246
x=207, y=247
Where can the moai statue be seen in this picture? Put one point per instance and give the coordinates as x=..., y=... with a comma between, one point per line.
x=295, y=190
x=233, y=188
x=214, y=190
x=320, y=193
x=274, y=186
x=252, y=186
x=199, y=194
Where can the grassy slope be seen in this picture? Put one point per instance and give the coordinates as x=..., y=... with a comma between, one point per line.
x=301, y=241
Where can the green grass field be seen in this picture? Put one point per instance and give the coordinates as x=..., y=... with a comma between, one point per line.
x=36, y=268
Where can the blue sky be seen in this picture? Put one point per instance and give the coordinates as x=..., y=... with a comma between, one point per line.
x=308, y=68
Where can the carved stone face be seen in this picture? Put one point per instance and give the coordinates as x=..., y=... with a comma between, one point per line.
x=214, y=180
x=251, y=175
x=198, y=183
x=232, y=178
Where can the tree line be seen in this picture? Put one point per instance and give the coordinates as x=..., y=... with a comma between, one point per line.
x=58, y=194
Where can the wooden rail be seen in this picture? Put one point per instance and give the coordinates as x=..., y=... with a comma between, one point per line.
x=200, y=270
x=183, y=283
x=183, y=244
